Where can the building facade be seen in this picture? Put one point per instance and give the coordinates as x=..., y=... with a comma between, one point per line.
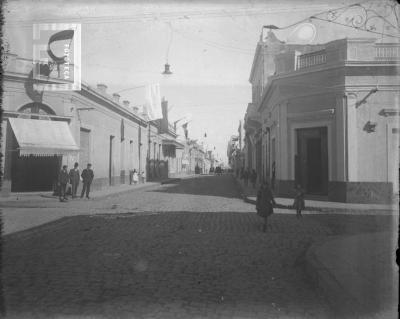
x=43, y=130
x=164, y=150
x=329, y=121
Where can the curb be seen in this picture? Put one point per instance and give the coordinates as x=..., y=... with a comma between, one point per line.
x=318, y=209
x=170, y=181
x=328, y=210
x=11, y=202
x=154, y=184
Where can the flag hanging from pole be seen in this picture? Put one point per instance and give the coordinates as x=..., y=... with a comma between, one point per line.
x=153, y=102
x=185, y=129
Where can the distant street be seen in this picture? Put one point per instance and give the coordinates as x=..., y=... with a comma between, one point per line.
x=188, y=250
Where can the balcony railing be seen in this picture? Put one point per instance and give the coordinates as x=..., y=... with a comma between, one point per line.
x=387, y=52
x=310, y=59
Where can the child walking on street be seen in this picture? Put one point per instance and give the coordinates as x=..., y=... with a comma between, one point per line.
x=265, y=203
x=299, y=203
x=135, y=177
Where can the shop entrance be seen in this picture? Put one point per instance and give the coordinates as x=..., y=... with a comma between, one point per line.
x=34, y=173
x=312, y=160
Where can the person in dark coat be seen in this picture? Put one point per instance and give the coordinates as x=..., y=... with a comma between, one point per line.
x=299, y=203
x=74, y=177
x=87, y=178
x=253, y=178
x=63, y=179
x=265, y=203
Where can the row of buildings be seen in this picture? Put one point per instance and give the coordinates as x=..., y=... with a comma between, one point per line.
x=325, y=117
x=43, y=130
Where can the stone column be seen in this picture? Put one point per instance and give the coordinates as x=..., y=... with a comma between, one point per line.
x=352, y=146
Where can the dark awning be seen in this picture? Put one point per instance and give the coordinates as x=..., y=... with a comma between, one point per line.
x=173, y=143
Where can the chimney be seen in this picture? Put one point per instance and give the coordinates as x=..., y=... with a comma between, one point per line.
x=116, y=97
x=135, y=110
x=126, y=103
x=164, y=121
x=102, y=88
x=164, y=108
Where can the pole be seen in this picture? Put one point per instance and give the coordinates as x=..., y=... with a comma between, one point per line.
x=139, y=149
x=148, y=152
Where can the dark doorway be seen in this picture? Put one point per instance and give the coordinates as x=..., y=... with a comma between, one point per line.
x=34, y=173
x=314, y=165
x=110, y=166
x=312, y=160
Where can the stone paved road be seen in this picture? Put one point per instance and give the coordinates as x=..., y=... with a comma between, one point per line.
x=192, y=250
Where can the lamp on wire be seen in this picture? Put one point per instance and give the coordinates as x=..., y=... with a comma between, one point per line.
x=167, y=70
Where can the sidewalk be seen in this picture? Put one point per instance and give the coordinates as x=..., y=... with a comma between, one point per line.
x=357, y=274
x=249, y=195
x=13, y=198
x=42, y=196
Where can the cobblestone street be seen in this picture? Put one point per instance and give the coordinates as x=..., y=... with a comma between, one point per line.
x=187, y=250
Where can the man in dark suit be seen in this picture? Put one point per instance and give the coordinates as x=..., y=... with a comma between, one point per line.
x=87, y=178
x=74, y=177
x=63, y=179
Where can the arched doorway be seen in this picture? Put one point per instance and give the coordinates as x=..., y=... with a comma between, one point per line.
x=33, y=172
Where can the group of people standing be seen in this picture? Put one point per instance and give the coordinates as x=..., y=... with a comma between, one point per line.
x=136, y=177
x=73, y=177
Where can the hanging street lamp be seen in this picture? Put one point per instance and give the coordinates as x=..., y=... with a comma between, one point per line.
x=166, y=69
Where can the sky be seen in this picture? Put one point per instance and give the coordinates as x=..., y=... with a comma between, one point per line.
x=209, y=45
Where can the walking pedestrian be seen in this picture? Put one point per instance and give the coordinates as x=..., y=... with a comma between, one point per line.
x=87, y=178
x=135, y=177
x=142, y=177
x=253, y=178
x=299, y=203
x=74, y=178
x=63, y=179
x=265, y=203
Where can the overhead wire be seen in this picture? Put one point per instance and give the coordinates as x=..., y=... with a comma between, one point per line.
x=215, y=44
x=179, y=15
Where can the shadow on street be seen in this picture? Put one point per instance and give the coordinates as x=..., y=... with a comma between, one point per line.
x=201, y=186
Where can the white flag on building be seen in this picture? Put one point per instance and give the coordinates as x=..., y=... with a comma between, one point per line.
x=153, y=102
